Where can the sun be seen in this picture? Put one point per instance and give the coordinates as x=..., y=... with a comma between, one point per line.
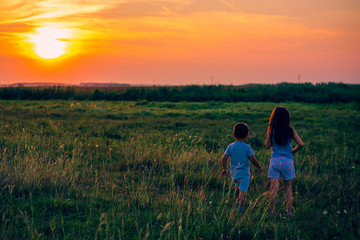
x=50, y=42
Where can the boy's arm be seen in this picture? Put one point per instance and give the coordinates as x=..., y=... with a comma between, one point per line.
x=224, y=165
x=256, y=163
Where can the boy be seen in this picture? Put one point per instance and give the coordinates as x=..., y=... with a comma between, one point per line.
x=241, y=154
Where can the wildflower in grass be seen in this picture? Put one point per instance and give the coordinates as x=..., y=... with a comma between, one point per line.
x=345, y=211
x=325, y=212
x=338, y=212
x=96, y=145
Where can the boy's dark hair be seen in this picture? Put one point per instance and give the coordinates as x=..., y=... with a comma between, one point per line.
x=240, y=130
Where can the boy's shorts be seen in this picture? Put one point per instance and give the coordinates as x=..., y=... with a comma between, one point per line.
x=281, y=167
x=243, y=183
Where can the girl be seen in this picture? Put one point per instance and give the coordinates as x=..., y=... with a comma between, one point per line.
x=278, y=136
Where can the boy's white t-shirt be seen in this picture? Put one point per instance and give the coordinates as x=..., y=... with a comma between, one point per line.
x=239, y=153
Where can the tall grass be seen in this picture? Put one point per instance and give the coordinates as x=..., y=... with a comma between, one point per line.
x=146, y=170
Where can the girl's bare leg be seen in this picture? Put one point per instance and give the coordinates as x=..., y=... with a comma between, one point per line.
x=288, y=196
x=274, y=188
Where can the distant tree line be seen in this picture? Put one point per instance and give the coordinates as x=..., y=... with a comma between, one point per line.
x=306, y=92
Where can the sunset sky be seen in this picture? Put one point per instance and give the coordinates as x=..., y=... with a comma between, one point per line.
x=179, y=41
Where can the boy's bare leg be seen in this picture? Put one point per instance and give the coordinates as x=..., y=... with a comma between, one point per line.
x=237, y=194
x=242, y=199
x=288, y=196
x=274, y=188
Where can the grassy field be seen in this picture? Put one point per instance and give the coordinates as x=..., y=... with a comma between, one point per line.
x=150, y=170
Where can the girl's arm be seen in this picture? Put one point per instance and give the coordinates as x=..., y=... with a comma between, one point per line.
x=299, y=142
x=268, y=140
x=224, y=164
x=256, y=163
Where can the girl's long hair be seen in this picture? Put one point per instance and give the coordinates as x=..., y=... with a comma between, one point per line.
x=279, y=126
